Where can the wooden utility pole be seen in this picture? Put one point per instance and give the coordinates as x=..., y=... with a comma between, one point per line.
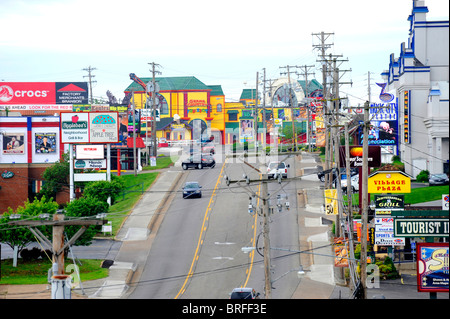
x=308, y=105
x=266, y=251
x=255, y=115
x=90, y=76
x=58, y=246
x=364, y=206
x=154, y=149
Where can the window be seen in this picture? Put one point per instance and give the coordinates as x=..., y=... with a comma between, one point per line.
x=219, y=107
x=232, y=116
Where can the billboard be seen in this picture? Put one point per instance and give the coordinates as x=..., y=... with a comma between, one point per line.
x=384, y=119
x=89, y=127
x=42, y=93
x=432, y=267
x=356, y=156
x=389, y=182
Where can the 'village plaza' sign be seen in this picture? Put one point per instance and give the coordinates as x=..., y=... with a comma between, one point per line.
x=389, y=182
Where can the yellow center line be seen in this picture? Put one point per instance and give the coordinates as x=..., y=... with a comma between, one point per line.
x=200, y=240
x=249, y=270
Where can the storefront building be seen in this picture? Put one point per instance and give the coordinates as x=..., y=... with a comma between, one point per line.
x=420, y=79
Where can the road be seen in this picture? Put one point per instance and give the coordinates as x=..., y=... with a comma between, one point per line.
x=197, y=251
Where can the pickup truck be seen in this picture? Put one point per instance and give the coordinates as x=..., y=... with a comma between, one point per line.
x=277, y=168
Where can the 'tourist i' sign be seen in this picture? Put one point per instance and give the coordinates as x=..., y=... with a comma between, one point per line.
x=418, y=227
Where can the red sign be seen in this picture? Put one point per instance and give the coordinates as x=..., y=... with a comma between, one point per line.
x=26, y=93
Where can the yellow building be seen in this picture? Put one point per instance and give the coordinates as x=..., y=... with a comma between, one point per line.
x=183, y=100
x=180, y=101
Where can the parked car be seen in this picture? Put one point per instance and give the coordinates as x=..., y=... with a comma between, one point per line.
x=192, y=189
x=353, y=171
x=354, y=182
x=163, y=142
x=208, y=148
x=276, y=168
x=438, y=179
x=198, y=161
x=244, y=293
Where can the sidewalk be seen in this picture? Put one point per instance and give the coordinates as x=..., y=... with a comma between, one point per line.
x=136, y=236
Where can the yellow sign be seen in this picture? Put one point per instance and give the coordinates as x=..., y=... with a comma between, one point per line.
x=331, y=203
x=389, y=182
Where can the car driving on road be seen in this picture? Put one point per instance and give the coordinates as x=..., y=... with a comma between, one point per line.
x=198, y=161
x=244, y=293
x=277, y=168
x=192, y=189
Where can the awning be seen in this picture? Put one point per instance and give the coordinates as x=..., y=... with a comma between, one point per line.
x=139, y=142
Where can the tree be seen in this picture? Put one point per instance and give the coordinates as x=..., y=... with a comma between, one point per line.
x=19, y=235
x=80, y=208
x=101, y=190
x=55, y=177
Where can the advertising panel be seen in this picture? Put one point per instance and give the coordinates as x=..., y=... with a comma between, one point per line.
x=95, y=127
x=74, y=127
x=13, y=143
x=90, y=152
x=384, y=232
x=356, y=156
x=331, y=202
x=389, y=202
x=384, y=119
x=25, y=93
x=432, y=267
x=45, y=143
x=389, y=182
x=421, y=227
x=246, y=130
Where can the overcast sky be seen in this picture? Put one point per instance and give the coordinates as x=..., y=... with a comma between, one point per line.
x=219, y=42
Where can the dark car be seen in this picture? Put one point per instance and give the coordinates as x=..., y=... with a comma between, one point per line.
x=438, y=179
x=192, y=189
x=208, y=148
x=198, y=161
x=244, y=293
x=321, y=175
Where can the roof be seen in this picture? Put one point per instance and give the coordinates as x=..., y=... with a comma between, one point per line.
x=248, y=94
x=216, y=90
x=312, y=85
x=177, y=83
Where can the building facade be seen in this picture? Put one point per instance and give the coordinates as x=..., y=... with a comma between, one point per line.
x=420, y=78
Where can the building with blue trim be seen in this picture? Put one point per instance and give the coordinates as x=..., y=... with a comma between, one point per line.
x=420, y=78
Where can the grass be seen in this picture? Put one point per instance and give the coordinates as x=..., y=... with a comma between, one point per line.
x=35, y=272
x=134, y=185
x=417, y=195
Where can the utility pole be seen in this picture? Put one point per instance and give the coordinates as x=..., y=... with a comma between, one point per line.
x=291, y=104
x=308, y=128
x=90, y=76
x=58, y=223
x=266, y=251
x=255, y=115
x=153, y=64
x=323, y=46
x=364, y=196
x=133, y=112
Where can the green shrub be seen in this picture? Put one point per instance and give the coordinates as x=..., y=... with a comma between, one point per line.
x=423, y=176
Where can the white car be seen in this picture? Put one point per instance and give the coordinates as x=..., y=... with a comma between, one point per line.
x=244, y=293
x=277, y=168
x=354, y=182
